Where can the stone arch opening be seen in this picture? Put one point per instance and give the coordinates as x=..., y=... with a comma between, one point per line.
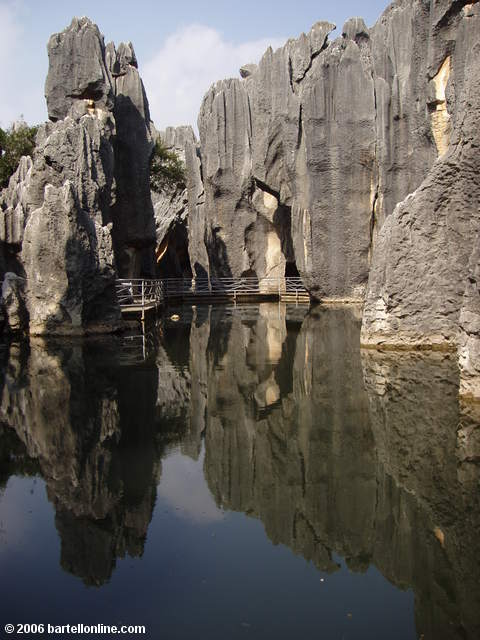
x=173, y=260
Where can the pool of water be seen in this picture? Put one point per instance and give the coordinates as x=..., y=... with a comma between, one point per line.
x=241, y=472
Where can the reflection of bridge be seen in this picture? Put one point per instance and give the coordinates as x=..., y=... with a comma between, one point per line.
x=138, y=296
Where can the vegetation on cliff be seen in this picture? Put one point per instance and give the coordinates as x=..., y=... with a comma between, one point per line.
x=15, y=142
x=167, y=171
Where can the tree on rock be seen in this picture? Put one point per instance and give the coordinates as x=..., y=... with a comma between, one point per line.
x=167, y=171
x=15, y=142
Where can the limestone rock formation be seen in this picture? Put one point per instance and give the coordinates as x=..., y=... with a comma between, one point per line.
x=425, y=257
x=13, y=298
x=79, y=213
x=14, y=207
x=132, y=212
x=58, y=227
x=180, y=213
x=77, y=69
x=105, y=80
x=171, y=207
x=307, y=156
x=469, y=338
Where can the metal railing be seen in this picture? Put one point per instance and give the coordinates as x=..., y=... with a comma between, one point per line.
x=232, y=287
x=139, y=293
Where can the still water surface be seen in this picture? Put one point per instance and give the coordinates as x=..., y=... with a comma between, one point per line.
x=243, y=473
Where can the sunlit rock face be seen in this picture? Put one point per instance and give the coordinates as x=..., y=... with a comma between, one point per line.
x=339, y=132
x=79, y=213
x=57, y=230
x=425, y=259
x=85, y=72
x=469, y=338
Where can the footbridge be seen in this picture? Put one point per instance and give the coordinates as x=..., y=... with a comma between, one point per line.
x=140, y=296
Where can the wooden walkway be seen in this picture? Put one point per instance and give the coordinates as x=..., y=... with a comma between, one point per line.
x=139, y=297
x=235, y=290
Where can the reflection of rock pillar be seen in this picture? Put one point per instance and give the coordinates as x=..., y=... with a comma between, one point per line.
x=428, y=487
x=96, y=448
x=304, y=465
x=199, y=337
x=335, y=440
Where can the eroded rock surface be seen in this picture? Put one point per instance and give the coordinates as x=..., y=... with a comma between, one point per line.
x=132, y=212
x=354, y=160
x=79, y=213
x=172, y=206
x=424, y=260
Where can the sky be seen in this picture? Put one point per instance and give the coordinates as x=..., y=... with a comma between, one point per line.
x=182, y=47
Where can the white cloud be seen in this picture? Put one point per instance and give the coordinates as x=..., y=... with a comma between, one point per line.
x=190, y=60
x=10, y=31
x=21, y=90
x=10, y=35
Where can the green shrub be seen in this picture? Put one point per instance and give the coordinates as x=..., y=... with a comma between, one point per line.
x=167, y=171
x=15, y=142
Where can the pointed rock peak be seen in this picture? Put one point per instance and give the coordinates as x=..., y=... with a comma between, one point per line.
x=133, y=57
x=77, y=69
x=247, y=70
x=120, y=60
x=126, y=52
x=355, y=29
x=318, y=35
x=81, y=23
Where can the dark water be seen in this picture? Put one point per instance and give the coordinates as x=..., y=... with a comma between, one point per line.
x=243, y=473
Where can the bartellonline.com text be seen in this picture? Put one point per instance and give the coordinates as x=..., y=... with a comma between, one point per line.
x=74, y=629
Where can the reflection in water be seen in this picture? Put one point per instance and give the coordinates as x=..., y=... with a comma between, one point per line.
x=428, y=455
x=99, y=453
x=338, y=452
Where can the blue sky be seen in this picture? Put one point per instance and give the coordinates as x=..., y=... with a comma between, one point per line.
x=182, y=47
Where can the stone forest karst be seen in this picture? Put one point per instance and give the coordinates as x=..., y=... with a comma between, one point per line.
x=351, y=162
x=339, y=434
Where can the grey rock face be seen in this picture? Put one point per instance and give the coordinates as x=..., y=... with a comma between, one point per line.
x=469, y=334
x=14, y=207
x=77, y=69
x=132, y=211
x=339, y=133
x=85, y=195
x=57, y=221
x=70, y=282
x=13, y=298
x=179, y=214
x=274, y=156
x=171, y=212
x=57, y=228
x=113, y=74
x=425, y=254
